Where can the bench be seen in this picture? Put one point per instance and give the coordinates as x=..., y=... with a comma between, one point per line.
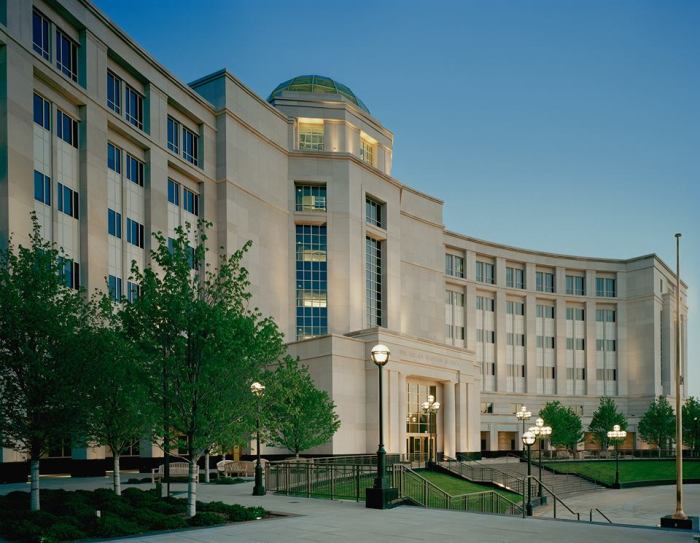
x=177, y=469
x=238, y=468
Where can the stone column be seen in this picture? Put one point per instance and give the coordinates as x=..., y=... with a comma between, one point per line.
x=403, y=412
x=462, y=422
x=448, y=425
x=501, y=340
x=560, y=334
x=591, y=362
x=473, y=417
x=395, y=410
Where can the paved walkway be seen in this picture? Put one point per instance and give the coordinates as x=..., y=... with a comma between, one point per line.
x=641, y=505
x=318, y=520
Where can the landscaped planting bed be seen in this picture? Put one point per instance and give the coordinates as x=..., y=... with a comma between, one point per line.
x=631, y=471
x=67, y=516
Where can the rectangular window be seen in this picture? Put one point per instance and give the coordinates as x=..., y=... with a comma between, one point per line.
x=310, y=197
x=190, y=146
x=576, y=285
x=70, y=273
x=190, y=201
x=545, y=281
x=134, y=233
x=546, y=342
x=515, y=308
x=42, y=112
x=605, y=315
x=575, y=343
x=545, y=311
x=485, y=272
x=367, y=151
x=114, y=93
x=606, y=375
x=68, y=201
x=609, y=345
x=134, y=107
x=42, y=188
x=173, y=135
x=575, y=313
x=515, y=278
x=114, y=158
x=454, y=313
x=133, y=290
x=114, y=223
x=485, y=336
x=517, y=340
x=66, y=55
x=40, y=35
x=486, y=407
x=134, y=170
x=485, y=304
x=311, y=137
x=454, y=266
x=67, y=128
x=605, y=287
x=374, y=291
x=173, y=192
x=311, y=281
x=114, y=285
x=374, y=212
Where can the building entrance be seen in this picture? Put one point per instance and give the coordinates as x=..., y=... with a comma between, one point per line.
x=420, y=448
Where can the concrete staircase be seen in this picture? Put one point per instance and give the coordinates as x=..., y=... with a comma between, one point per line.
x=559, y=484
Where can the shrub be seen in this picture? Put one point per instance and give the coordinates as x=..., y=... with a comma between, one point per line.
x=152, y=520
x=63, y=531
x=112, y=526
x=206, y=518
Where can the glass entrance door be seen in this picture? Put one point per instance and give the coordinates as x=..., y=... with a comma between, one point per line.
x=420, y=448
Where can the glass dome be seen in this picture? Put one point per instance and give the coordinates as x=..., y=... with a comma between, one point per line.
x=317, y=84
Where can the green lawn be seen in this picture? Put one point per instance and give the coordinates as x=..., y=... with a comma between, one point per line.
x=456, y=486
x=630, y=470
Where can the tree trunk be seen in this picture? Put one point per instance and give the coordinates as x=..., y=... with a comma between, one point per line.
x=116, y=474
x=192, y=488
x=207, y=479
x=297, y=455
x=34, y=471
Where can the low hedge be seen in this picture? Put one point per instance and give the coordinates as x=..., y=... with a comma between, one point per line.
x=69, y=516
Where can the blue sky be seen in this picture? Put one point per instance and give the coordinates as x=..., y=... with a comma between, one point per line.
x=563, y=126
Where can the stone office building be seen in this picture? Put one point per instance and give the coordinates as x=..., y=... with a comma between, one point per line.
x=108, y=147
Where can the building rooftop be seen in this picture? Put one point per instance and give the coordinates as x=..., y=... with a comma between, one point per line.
x=317, y=84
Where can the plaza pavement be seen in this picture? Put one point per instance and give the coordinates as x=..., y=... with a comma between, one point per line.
x=317, y=520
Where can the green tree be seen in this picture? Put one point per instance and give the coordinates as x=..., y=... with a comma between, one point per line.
x=120, y=412
x=204, y=345
x=41, y=359
x=604, y=418
x=567, y=430
x=691, y=423
x=299, y=415
x=658, y=424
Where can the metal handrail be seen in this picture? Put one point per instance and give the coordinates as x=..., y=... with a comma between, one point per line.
x=590, y=515
x=484, y=474
x=556, y=498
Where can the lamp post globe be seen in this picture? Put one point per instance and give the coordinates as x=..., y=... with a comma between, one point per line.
x=616, y=435
x=258, y=390
x=431, y=407
x=523, y=415
x=380, y=354
x=381, y=495
x=528, y=439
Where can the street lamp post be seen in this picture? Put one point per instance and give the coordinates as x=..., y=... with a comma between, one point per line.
x=616, y=435
x=430, y=407
x=259, y=489
x=523, y=415
x=528, y=440
x=381, y=495
x=541, y=432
